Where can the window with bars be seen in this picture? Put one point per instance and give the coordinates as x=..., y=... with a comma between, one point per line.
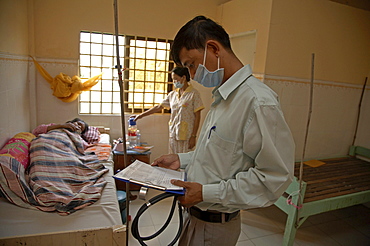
x=145, y=74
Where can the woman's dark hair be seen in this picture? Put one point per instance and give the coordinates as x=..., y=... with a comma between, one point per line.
x=194, y=35
x=78, y=119
x=181, y=71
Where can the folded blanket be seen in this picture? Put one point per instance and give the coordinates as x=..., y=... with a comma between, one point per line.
x=102, y=150
x=61, y=176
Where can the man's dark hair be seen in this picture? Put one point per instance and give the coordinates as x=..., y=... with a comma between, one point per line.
x=195, y=33
x=181, y=71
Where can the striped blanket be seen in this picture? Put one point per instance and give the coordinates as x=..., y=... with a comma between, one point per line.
x=62, y=178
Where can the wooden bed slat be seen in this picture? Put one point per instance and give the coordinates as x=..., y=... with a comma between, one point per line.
x=338, y=176
x=336, y=187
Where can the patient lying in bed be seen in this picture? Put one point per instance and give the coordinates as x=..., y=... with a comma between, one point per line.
x=89, y=135
x=61, y=177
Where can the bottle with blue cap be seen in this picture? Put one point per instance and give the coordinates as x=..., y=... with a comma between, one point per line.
x=132, y=133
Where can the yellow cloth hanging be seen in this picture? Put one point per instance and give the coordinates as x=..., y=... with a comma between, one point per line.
x=64, y=87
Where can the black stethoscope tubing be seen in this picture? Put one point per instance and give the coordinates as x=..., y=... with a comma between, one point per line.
x=135, y=223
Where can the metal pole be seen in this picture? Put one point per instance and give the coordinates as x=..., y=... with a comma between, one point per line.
x=308, y=120
x=300, y=201
x=359, y=111
x=122, y=89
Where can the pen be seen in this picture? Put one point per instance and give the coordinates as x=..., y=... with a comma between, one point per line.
x=210, y=131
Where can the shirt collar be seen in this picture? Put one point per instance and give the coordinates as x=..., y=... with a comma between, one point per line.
x=224, y=90
x=188, y=89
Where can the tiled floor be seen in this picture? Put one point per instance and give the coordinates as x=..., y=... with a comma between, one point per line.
x=265, y=226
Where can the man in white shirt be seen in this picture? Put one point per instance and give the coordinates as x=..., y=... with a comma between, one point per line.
x=245, y=152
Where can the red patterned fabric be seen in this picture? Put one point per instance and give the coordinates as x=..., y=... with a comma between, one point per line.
x=18, y=148
x=92, y=135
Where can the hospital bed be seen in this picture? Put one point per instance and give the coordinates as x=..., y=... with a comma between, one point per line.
x=96, y=224
x=339, y=183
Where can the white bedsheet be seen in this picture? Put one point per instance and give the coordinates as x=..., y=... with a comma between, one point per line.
x=17, y=221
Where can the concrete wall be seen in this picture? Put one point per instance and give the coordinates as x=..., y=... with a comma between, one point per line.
x=287, y=33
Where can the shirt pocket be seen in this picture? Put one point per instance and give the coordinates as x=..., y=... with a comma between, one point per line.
x=183, y=131
x=219, y=155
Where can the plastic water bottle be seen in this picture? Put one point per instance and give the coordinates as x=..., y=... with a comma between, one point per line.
x=132, y=133
x=138, y=137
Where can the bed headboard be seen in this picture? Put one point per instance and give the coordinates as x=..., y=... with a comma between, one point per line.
x=359, y=151
x=103, y=129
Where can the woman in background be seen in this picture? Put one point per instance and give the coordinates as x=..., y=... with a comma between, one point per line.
x=185, y=104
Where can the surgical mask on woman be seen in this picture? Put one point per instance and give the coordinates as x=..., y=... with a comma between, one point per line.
x=178, y=84
x=207, y=78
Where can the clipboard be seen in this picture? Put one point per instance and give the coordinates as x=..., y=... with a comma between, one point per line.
x=141, y=173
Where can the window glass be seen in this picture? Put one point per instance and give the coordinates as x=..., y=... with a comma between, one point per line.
x=146, y=67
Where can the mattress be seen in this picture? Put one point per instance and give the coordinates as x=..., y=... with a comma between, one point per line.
x=17, y=221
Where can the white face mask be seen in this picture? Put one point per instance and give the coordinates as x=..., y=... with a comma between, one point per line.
x=207, y=78
x=178, y=84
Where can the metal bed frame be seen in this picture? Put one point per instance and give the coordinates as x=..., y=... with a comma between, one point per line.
x=339, y=183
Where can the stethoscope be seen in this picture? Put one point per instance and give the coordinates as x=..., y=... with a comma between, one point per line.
x=135, y=223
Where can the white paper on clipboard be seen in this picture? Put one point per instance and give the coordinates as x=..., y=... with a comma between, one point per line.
x=144, y=174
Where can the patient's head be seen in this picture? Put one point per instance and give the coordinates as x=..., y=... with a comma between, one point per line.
x=83, y=125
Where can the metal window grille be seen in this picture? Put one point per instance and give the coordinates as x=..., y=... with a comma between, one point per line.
x=146, y=72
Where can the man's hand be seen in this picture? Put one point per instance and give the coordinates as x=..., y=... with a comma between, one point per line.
x=170, y=161
x=193, y=193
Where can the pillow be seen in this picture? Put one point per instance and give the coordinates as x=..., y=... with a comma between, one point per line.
x=104, y=138
x=18, y=148
x=92, y=135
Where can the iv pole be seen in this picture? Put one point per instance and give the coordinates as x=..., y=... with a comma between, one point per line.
x=300, y=202
x=122, y=89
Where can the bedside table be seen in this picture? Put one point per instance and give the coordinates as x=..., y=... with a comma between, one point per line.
x=119, y=164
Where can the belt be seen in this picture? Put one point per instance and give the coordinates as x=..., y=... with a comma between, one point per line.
x=212, y=216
